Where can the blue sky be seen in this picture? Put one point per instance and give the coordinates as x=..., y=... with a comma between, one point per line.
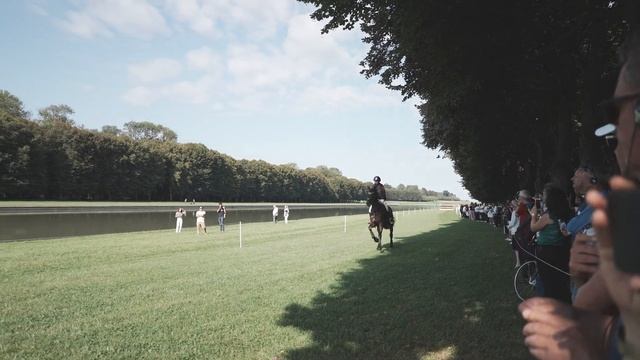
x=254, y=79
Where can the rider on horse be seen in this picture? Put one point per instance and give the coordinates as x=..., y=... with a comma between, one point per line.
x=380, y=194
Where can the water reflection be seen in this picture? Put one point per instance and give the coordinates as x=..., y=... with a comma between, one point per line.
x=42, y=226
x=38, y=226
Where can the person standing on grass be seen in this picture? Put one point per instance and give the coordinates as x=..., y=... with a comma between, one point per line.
x=274, y=213
x=179, y=214
x=611, y=295
x=512, y=226
x=552, y=246
x=200, y=221
x=286, y=214
x=222, y=213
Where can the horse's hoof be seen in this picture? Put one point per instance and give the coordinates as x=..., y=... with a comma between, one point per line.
x=375, y=240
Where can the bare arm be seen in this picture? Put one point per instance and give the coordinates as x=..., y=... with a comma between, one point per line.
x=539, y=224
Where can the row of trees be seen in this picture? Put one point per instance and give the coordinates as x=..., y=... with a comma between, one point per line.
x=51, y=158
x=509, y=88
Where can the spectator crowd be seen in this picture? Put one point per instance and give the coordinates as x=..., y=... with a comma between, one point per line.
x=587, y=251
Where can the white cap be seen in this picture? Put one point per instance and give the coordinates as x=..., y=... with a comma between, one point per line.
x=605, y=130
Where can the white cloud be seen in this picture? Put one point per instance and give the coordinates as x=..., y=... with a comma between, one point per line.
x=255, y=18
x=192, y=13
x=204, y=58
x=37, y=7
x=303, y=70
x=155, y=70
x=84, y=25
x=140, y=95
x=197, y=91
x=194, y=92
x=137, y=18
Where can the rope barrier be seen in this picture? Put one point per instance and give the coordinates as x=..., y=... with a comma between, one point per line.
x=538, y=259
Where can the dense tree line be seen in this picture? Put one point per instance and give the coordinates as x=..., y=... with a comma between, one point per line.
x=51, y=158
x=413, y=193
x=509, y=88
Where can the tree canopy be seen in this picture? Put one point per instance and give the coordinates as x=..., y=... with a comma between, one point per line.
x=56, y=115
x=55, y=160
x=11, y=105
x=145, y=130
x=509, y=88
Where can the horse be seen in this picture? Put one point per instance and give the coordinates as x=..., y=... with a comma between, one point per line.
x=380, y=219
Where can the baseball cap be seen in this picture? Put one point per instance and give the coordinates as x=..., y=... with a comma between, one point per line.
x=605, y=130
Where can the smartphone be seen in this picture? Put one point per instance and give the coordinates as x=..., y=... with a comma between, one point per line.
x=537, y=203
x=624, y=217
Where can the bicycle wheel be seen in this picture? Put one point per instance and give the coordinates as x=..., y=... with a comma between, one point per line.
x=524, y=282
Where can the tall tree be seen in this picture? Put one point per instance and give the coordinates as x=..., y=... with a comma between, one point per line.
x=145, y=130
x=56, y=115
x=508, y=87
x=111, y=130
x=10, y=104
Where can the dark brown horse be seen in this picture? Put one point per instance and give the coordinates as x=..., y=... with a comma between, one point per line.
x=380, y=219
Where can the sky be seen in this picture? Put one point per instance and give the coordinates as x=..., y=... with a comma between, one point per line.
x=254, y=79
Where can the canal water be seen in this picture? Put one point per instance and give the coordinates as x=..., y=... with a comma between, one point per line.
x=54, y=225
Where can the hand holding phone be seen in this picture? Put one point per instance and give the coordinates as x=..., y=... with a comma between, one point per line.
x=537, y=203
x=624, y=216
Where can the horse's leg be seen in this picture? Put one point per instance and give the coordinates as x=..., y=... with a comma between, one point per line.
x=391, y=236
x=380, y=236
x=372, y=235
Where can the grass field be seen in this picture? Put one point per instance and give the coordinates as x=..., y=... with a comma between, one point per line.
x=305, y=290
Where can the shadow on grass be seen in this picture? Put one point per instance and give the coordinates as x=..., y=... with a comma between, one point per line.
x=445, y=294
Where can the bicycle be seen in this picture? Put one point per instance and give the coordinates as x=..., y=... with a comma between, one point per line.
x=525, y=280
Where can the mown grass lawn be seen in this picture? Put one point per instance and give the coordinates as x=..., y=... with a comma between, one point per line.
x=305, y=290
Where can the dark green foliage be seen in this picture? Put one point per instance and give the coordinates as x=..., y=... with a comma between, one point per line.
x=16, y=139
x=145, y=130
x=509, y=88
x=52, y=159
x=11, y=105
x=56, y=114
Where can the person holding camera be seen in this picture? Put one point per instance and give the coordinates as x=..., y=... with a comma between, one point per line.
x=615, y=219
x=584, y=252
x=605, y=319
x=552, y=246
x=179, y=214
x=222, y=214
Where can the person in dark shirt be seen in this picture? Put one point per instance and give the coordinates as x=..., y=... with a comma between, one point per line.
x=380, y=193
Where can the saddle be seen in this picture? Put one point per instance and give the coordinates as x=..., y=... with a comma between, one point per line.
x=386, y=216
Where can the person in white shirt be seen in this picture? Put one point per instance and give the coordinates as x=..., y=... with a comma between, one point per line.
x=286, y=214
x=200, y=221
x=179, y=214
x=513, y=225
x=275, y=214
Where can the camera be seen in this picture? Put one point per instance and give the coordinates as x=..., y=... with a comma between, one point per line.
x=624, y=219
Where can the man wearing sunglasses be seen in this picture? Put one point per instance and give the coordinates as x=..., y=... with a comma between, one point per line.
x=585, y=331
